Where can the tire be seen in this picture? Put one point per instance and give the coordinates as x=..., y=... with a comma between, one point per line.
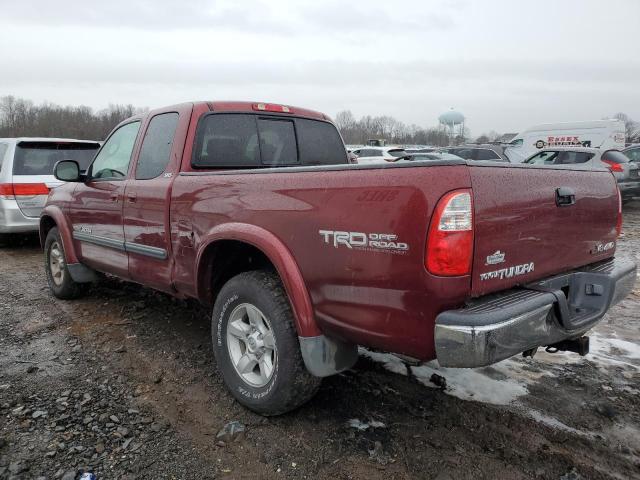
x=60, y=282
x=254, y=305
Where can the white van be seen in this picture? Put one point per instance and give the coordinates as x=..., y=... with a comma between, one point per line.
x=603, y=134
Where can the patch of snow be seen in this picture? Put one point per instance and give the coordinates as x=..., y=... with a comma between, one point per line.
x=362, y=426
x=389, y=361
x=554, y=422
x=505, y=382
x=479, y=384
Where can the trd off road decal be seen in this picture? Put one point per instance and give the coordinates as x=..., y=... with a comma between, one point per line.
x=377, y=242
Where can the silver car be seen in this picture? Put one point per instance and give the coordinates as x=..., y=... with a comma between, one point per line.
x=627, y=173
x=26, y=176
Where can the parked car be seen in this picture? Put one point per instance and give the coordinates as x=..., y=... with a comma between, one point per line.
x=478, y=152
x=422, y=150
x=627, y=173
x=633, y=153
x=254, y=210
x=26, y=176
x=603, y=134
x=379, y=154
x=433, y=156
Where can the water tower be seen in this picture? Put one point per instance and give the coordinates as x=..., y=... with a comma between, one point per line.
x=453, y=124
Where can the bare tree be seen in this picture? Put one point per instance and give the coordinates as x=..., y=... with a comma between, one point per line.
x=631, y=127
x=20, y=118
x=394, y=131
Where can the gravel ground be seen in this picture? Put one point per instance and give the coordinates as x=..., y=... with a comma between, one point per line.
x=123, y=383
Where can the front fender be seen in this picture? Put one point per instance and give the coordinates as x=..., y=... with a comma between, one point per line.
x=55, y=213
x=280, y=256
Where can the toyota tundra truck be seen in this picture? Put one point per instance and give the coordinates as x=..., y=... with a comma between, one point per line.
x=255, y=210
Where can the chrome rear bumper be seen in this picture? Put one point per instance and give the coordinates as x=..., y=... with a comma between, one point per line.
x=562, y=307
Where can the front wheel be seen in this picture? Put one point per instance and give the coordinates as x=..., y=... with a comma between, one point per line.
x=256, y=345
x=60, y=282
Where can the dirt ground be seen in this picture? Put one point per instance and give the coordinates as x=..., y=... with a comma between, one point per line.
x=123, y=383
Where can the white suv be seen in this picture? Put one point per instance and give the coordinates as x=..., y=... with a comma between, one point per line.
x=26, y=176
x=379, y=154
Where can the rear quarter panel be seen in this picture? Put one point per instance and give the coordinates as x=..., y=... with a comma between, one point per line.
x=377, y=298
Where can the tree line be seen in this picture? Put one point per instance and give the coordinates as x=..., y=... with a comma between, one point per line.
x=356, y=132
x=22, y=118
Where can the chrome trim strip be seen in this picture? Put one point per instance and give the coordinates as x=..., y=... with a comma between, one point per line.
x=100, y=241
x=154, y=252
x=129, y=247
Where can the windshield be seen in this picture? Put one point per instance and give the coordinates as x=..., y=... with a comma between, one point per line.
x=39, y=158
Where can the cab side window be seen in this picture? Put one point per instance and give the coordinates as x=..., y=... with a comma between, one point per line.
x=156, y=146
x=543, y=158
x=112, y=162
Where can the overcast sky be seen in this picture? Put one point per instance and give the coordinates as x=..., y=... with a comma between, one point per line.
x=504, y=64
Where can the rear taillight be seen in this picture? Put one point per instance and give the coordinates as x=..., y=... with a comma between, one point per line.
x=6, y=191
x=619, y=219
x=12, y=190
x=613, y=166
x=450, y=243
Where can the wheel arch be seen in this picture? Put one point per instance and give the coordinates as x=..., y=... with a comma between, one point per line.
x=244, y=247
x=53, y=217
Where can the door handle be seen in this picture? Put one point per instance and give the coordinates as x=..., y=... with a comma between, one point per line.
x=132, y=197
x=114, y=196
x=565, y=197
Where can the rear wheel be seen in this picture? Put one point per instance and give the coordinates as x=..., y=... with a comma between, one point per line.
x=60, y=282
x=256, y=345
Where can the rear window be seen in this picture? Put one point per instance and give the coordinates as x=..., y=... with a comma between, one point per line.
x=250, y=141
x=615, y=157
x=319, y=143
x=277, y=142
x=39, y=158
x=465, y=153
x=486, y=154
x=569, y=158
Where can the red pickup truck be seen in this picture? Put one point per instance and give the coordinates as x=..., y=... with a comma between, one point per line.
x=256, y=210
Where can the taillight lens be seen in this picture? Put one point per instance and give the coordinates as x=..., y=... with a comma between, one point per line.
x=450, y=243
x=619, y=220
x=613, y=166
x=12, y=190
x=6, y=191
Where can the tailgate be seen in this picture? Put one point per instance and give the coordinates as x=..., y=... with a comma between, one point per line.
x=521, y=234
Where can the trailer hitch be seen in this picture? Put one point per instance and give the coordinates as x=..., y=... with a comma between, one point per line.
x=577, y=345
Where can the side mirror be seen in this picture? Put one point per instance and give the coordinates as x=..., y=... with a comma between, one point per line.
x=67, y=171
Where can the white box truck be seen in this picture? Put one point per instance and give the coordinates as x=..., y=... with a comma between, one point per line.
x=604, y=134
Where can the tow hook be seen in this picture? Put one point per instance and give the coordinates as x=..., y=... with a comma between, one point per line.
x=577, y=345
